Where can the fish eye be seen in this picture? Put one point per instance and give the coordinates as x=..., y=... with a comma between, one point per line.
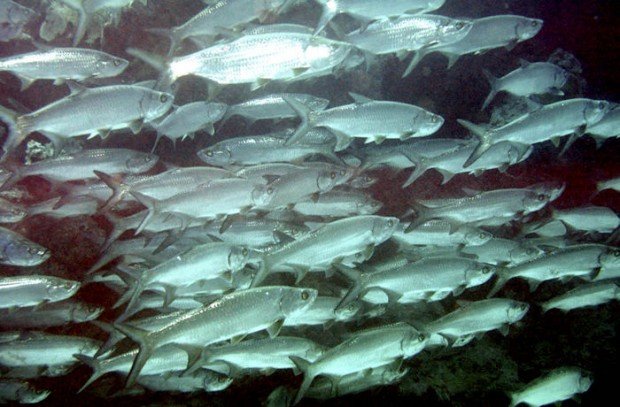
x=163, y=98
x=486, y=270
x=244, y=252
x=523, y=306
x=209, y=153
x=616, y=253
x=534, y=23
x=421, y=337
x=390, y=223
x=601, y=105
x=332, y=175
x=482, y=235
x=459, y=25
x=116, y=62
x=305, y=295
x=270, y=190
x=434, y=119
x=541, y=197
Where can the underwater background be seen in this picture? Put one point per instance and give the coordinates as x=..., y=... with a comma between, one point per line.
x=582, y=34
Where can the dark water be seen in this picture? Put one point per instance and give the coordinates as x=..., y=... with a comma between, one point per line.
x=476, y=375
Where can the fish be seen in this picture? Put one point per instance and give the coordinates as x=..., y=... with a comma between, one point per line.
x=252, y=150
x=13, y=19
x=221, y=16
x=362, y=119
x=560, y=384
x=500, y=251
x=364, y=350
x=258, y=354
x=12, y=390
x=10, y=212
x=89, y=112
x=404, y=154
x=16, y=250
x=257, y=59
x=530, y=79
x=572, y=116
x=368, y=10
x=504, y=204
x=187, y=119
x=599, y=219
x=205, y=380
x=80, y=165
x=478, y=317
x=83, y=205
x=613, y=183
x=405, y=33
x=439, y=233
x=324, y=312
x=235, y=314
x=45, y=350
x=587, y=295
x=33, y=290
x=580, y=260
x=62, y=64
x=607, y=127
x=49, y=314
x=430, y=279
x=333, y=241
x=486, y=33
x=273, y=106
x=338, y=203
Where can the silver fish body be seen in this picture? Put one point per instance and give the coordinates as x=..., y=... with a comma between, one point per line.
x=273, y=106
x=16, y=250
x=47, y=315
x=20, y=391
x=558, y=385
x=584, y=296
x=34, y=290
x=187, y=119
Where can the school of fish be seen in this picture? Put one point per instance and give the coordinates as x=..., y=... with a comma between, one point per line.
x=239, y=263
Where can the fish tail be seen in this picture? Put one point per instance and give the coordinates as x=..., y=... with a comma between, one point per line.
x=493, y=83
x=141, y=337
x=326, y=17
x=94, y=364
x=112, y=340
x=15, y=127
x=420, y=213
x=263, y=271
x=151, y=205
x=418, y=171
x=156, y=61
x=136, y=286
x=197, y=363
x=499, y=284
x=119, y=189
x=415, y=60
x=172, y=34
x=304, y=114
x=303, y=366
x=354, y=292
x=484, y=144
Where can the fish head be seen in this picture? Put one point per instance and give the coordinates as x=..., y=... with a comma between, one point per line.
x=363, y=181
x=389, y=376
x=595, y=110
x=383, y=228
x=30, y=395
x=263, y=194
x=296, y=300
x=476, y=237
x=523, y=253
x=155, y=104
x=517, y=152
x=238, y=257
x=317, y=104
x=426, y=123
x=214, y=381
x=585, y=381
x=414, y=343
x=141, y=162
x=242, y=279
x=527, y=28
x=560, y=77
x=610, y=257
x=83, y=312
x=349, y=311
x=110, y=66
x=454, y=30
x=516, y=310
x=368, y=206
x=552, y=189
x=25, y=253
x=533, y=201
x=11, y=213
x=62, y=289
x=333, y=176
x=216, y=155
x=479, y=274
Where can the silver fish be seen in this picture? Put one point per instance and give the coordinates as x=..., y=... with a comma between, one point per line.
x=47, y=315
x=486, y=33
x=363, y=118
x=22, y=392
x=584, y=296
x=185, y=120
x=504, y=251
x=16, y=250
x=339, y=203
x=368, y=10
x=530, y=79
x=10, y=212
x=440, y=233
x=547, y=123
x=598, y=219
x=607, y=127
x=60, y=64
x=239, y=313
x=365, y=350
x=34, y=290
x=558, y=385
x=90, y=112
